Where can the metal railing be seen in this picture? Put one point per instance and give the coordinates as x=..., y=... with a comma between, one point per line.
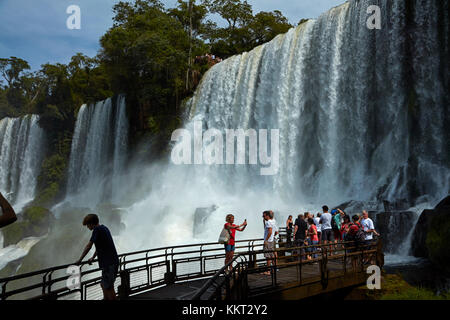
x=351, y=257
x=145, y=270
x=139, y=271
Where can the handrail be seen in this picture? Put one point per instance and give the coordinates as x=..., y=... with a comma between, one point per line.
x=165, y=261
x=213, y=278
x=170, y=252
x=323, y=260
x=65, y=266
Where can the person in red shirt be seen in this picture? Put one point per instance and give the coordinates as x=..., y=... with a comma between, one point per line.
x=313, y=237
x=352, y=230
x=230, y=245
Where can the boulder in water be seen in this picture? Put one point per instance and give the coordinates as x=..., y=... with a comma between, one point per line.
x=431, y=237
x=200, y=217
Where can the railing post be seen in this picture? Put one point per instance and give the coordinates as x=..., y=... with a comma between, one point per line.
x=169, y=276
x=380, y=254
x=124, y=288
x=227, y=288
x=201, y=259
x=3, y=295
x=324, y=267
x=274, y=267
x=345, y=259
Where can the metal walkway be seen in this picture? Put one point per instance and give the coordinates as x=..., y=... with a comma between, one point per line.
x=197, y=271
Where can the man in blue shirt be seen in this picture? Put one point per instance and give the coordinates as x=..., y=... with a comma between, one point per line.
x=108, y=261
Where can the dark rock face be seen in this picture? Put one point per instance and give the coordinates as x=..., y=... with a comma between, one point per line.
x=352, y=207
x=200, y=217
x=418, y=245
x=432, y=235
x=394, y=228
x=397, y=205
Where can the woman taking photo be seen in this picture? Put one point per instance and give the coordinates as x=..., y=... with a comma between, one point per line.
x=230, y=245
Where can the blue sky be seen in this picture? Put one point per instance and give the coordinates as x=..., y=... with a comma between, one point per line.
x=36, y=31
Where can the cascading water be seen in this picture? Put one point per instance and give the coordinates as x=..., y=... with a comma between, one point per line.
x=361, y=115
x=99, y=152
x=345, y=99
x=22, y=144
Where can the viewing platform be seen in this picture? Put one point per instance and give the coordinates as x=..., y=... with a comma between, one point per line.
x=197, y=272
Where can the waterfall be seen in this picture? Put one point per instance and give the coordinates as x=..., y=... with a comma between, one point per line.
x=99, y=152
x=22, y=144
x=361, y=112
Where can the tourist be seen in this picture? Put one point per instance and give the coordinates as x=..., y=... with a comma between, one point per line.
x=269, y=244
x=352, y=236
x=289, y=225
x=108, y=261
x=300, y=232
x=336, y=225
x=318, y=225
x=230, y=245
x=327, y=232
x=276, y=232
x=8, y=214
x=369, y=229
x=345, y=226
x=313, y=237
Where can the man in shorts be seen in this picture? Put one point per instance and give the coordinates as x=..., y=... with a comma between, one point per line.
x=327, y=231
x=300, y=232
x=269, y=243
x=108, y=260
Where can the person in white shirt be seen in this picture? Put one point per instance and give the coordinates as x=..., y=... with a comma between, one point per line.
x=369, y=230
x=269, y=244
x=368, y=226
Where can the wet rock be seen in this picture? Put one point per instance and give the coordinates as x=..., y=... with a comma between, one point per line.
x=432, y=235
x=353, y=207
x=394, y=228
x=200, y=217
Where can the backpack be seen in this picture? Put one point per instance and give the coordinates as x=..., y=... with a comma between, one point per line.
x=358, y=236
x=333, y=224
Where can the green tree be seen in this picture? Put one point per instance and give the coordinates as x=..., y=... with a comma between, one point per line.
x=11, y=68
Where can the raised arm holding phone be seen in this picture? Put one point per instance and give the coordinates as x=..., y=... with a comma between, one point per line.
x=8, y=216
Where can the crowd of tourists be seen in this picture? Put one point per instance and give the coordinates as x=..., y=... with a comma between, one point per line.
x=306, y=233
x=329, y=227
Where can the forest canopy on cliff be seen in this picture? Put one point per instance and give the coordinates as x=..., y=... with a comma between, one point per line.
x=154, y=55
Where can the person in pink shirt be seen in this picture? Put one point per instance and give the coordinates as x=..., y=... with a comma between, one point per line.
x=313, y=237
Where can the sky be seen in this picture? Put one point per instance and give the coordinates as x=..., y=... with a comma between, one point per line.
x=35, y=30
